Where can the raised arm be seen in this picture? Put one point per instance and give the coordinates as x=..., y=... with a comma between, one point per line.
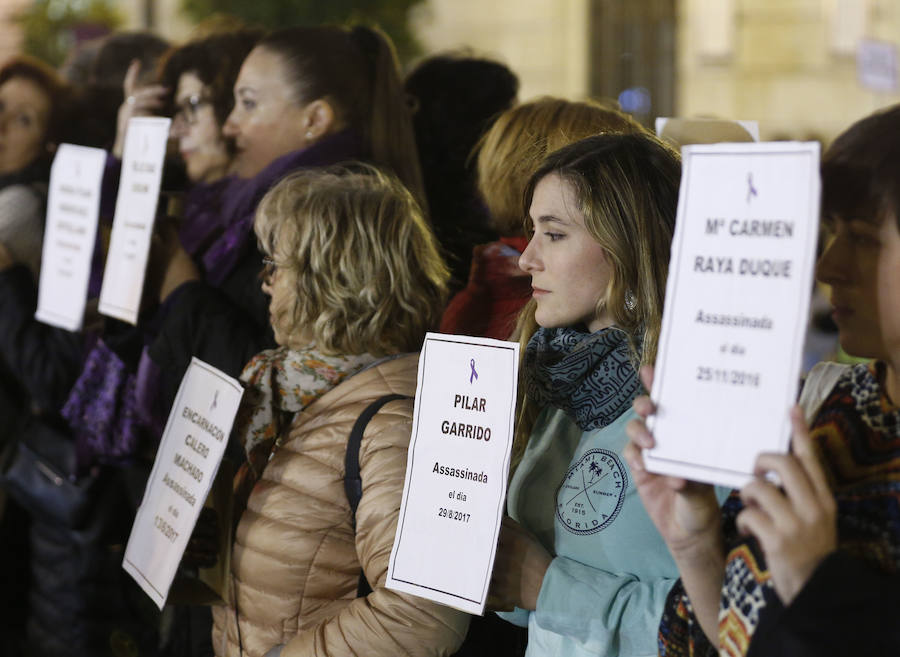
x=686, y=515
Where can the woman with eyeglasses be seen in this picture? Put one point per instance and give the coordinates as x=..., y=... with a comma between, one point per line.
x=197, y=81
x=109, y=414
x=305, y=97
x=308, y=566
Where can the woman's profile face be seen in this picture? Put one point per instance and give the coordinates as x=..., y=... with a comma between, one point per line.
x=861, y=265
x=199, y=135
x=569, y=269
x=267, y=119
x=24, y=114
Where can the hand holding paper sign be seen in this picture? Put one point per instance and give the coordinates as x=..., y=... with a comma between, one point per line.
x=735, y=308
x=139, y=101
x=796, y=526
x=518, y=570
x=685, y=513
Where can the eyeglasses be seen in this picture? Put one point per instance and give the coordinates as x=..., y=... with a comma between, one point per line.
x=269, y=267
x=188, y=108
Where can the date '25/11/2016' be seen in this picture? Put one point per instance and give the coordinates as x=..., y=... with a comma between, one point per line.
x=729, y=377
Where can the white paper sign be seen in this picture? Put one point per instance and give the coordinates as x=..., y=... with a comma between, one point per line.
x=129, y=245
x=456, y=473
x=721, y=130
x=876, y=65
x=73, y=206
x=188, y=458
x=737, y=300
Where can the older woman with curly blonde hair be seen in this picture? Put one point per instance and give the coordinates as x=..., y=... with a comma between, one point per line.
x=355, y=280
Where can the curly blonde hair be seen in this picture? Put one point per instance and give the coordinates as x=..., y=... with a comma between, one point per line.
x=511, y=151
x=358, y=267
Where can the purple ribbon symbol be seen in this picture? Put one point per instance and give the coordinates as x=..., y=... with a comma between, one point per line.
x=474, y=374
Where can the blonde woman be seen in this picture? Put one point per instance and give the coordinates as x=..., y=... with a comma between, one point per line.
x=581, y=560
x=355, y=280
x=508, y=155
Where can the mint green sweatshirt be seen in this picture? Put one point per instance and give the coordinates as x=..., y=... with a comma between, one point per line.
x=605, y=589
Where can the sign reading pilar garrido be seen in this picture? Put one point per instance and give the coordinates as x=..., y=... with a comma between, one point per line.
x=737, y=301
x=456, y=474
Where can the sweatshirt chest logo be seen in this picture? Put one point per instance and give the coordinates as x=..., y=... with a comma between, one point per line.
x=592, y=492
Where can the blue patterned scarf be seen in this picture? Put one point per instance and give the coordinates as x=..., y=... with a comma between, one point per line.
x=589, y=376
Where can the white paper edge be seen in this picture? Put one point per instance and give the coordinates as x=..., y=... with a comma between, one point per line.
x=750, y=126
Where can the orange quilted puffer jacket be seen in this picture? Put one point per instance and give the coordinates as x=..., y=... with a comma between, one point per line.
x=296, y=559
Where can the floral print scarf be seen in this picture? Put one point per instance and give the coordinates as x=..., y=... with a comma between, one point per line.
x=278, y=384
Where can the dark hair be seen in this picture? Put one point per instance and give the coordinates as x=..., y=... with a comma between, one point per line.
x=117, y=51
x=215, y=60
x=859, y=170
x=58, y=92
x=356, y=70
x=455, y=99
x=98, y=99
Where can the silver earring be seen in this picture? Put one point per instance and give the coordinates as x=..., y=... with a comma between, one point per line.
x=630, y=301
x=309, y=134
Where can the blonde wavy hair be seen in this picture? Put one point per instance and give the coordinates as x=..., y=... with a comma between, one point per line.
x=627, y=192
x=358, y=268
x=512, y=150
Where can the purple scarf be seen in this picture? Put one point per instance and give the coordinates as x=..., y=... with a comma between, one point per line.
x=218, y=217
x=110, y=407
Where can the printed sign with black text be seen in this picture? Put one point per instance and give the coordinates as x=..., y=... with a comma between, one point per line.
x=129, y=242
x=736, y=308
x=73, y=206
x=456, y=475
x=187, y=460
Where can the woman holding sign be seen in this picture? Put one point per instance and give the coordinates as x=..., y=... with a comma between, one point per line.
x=305, y=97
x=581, y=560
x=809, y=568
x=355, y=280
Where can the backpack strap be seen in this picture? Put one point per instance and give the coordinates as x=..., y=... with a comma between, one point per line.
x=352, y=477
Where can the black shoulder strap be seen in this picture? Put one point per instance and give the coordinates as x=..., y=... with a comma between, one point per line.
x=352, y=478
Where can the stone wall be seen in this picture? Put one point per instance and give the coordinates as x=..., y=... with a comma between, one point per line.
x=790, y=64
x=544, y=41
